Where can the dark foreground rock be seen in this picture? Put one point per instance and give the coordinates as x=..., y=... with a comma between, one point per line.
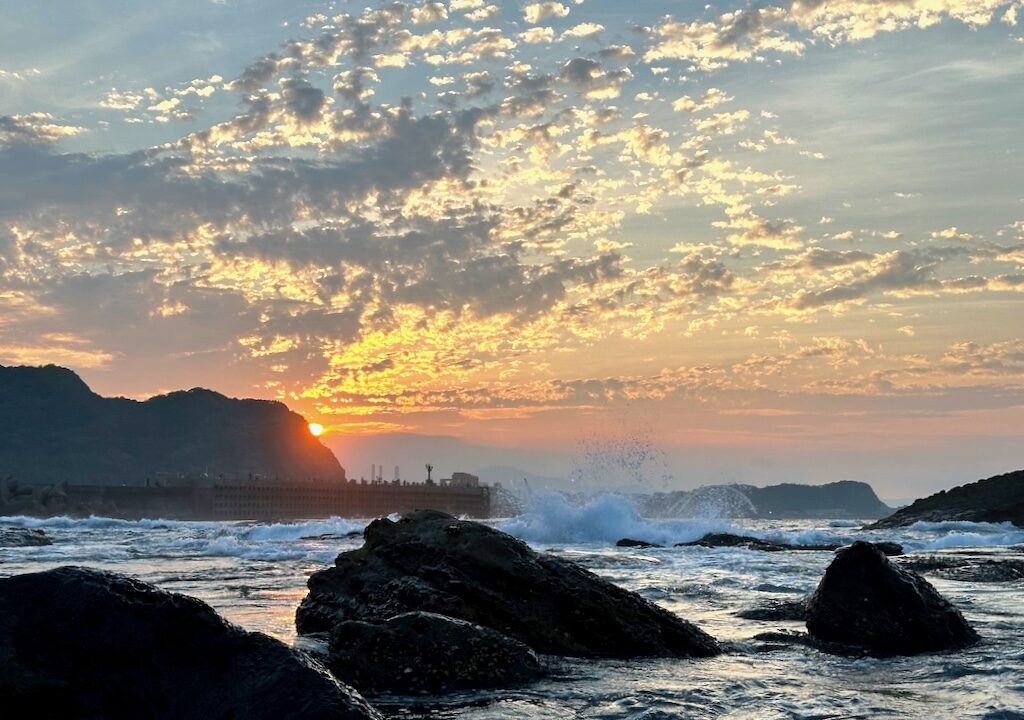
x=426, y=653
x=429, y=561
x=752, y=543
x=631, y=543
x=23, y=537
x=996, y=499
x=80, y=643
x=866, y=601
x=968, y=569
x=777, y=610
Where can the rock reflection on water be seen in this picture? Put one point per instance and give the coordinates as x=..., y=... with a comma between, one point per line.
x=255, y=576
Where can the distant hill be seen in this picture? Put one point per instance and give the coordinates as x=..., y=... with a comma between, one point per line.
x=996, y=499
x=53, y=428
x=845, y=499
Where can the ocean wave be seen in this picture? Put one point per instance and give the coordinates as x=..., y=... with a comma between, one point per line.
x=299, y=530
x=604, y=519
x=234, y=546
x=102, y=523
x=970, y=539
x=962, y=525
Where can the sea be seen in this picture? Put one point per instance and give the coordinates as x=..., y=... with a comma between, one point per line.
x=254, y=574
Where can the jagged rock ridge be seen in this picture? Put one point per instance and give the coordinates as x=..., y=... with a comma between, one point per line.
x=996, y=499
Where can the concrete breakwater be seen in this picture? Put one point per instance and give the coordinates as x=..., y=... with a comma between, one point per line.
x=251, y=501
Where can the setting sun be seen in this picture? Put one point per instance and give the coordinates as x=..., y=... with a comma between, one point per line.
x=316, y=429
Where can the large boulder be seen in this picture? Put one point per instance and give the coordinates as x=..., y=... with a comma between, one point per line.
x=864, y=600
x=429, y=561
x=80, y=643
x=426, y=653
x=23, y=537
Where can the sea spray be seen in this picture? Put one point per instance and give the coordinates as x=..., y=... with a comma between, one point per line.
x=604, y=519
x=621, y=455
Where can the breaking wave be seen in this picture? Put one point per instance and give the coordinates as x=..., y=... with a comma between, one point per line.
x=551, y=518
x=604, y=519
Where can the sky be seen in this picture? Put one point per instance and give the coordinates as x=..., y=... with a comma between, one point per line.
x=678, y=242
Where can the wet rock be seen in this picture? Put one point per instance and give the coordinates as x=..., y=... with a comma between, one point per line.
x=777, y=610
x=781, y=639
x=631, y=543
x=350, y=535
x=427, y=653
x=866, y=601
x=966, y=569
x=81, y=643
x=429, y=561
x=891, y=549
x=23, y=537
x=751, y=543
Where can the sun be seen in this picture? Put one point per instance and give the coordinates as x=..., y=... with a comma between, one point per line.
x=316, y=429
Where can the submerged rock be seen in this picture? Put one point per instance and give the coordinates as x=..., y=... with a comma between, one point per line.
x=777, y=610
x=81, y=643
x=866, y=601
x=350, y=535
x=429, y=561
x=631, y=543
x=780, y=639
x=753, y=543
x=23, y=537
x=427, y=653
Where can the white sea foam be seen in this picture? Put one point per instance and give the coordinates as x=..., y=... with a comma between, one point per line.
x=962, y=525
x=604, y=519
x=970, y=539
x=101, y=523
x=845, y=523
x=296, y=531
x=551, y=518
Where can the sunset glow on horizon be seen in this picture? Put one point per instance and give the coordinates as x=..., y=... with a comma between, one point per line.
x=783, y=240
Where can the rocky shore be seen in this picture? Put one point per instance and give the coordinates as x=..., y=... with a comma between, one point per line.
x=995, y=499
x=429, y=605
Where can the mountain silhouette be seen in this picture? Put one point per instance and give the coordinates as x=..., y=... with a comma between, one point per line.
x=53, y=428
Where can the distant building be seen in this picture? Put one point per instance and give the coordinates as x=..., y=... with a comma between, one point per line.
x=461, y=480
